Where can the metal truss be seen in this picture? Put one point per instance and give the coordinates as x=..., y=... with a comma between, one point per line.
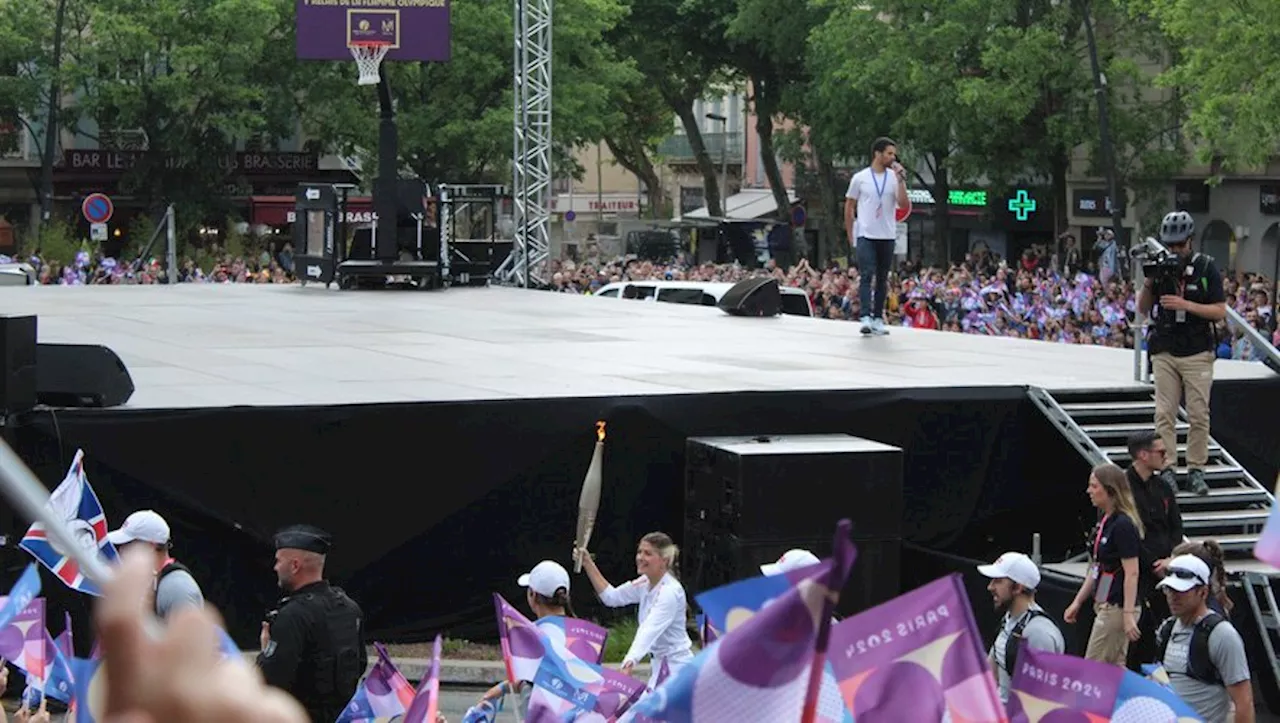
x=531, y=157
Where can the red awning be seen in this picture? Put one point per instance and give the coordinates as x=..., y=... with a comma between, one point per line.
x=279, y=210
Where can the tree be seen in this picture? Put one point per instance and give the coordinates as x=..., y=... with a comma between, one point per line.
x=641, y=120
x=1223, y=70
x=185, y=77
x=455, y=118
x=678, y=48
x=27, y=74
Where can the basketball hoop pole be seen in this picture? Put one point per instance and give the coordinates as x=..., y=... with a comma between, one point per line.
x=384, y=188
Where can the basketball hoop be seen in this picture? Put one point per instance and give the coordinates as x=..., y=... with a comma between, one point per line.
x=369, y=55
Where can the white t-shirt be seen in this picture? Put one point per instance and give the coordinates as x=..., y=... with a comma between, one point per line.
x=877, y=197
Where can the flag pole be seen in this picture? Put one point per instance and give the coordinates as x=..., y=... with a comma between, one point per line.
x=835, y=581
x=20, y=485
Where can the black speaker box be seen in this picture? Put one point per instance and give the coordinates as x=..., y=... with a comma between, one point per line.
x=81, y=375
x=753, y=297
x=750, y=499
x=18, y=360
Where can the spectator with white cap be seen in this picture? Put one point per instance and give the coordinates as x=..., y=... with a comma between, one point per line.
x=1014, y=579
x=547, y=593
x=175, y=586
x=791, y=560
x=1201, y=650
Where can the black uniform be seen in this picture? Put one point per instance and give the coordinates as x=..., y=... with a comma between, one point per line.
x=1162, y=522
x=317, y=651
x=1200, y=282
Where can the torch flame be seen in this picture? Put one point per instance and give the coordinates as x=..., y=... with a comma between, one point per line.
x=599, y=431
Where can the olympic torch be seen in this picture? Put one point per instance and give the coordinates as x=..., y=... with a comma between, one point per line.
x=589, y=500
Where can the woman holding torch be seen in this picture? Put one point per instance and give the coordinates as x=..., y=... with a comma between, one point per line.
x=661, y=597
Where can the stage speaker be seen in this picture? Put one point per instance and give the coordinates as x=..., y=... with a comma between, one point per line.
x=753, y=297
x=81, y=375
x=18, y=357
x=750, y=499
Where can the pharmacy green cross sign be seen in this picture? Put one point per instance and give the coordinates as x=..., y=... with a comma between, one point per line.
x=1022, y=205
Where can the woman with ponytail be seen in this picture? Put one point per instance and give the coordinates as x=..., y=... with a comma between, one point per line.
x=1112, y=580
x=662, y=632
x=547, y=594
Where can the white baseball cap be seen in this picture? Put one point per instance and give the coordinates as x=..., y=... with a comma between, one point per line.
x=1016, y=567
x=141, y=526
x=791, y=560
x=1184, y=573
x=545, y=578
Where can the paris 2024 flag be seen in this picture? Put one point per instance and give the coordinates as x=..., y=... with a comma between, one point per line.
x=1053, y=688
x=918, y=657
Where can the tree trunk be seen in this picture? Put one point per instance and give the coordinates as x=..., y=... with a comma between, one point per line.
x=831, y=232
x=1058, y=163
x=937, y=250
x=683, y=108
x=635, y=158
x=766, y=107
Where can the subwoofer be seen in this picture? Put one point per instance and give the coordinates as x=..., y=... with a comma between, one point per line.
x=81, y=375
x=753, y=297
x=17, y=363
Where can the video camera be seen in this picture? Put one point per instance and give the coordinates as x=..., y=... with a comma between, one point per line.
x=1160, y=264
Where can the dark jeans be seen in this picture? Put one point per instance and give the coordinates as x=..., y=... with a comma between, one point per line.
x=874, y=257
x=1155, y=609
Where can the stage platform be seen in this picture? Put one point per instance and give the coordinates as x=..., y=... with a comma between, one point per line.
x=222, y=345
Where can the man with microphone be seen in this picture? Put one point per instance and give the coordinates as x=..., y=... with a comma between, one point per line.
x=870, y=217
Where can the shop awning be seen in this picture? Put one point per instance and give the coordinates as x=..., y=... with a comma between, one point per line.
x=279, y=210
x=746, y=205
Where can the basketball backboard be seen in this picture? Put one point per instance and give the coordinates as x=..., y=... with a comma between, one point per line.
x=415, y=29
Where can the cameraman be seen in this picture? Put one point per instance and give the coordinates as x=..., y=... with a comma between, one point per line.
x=1185, y=290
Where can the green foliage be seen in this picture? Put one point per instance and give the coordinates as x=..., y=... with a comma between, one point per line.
x=1224, y=69
x=59, y=243
x=621, y=634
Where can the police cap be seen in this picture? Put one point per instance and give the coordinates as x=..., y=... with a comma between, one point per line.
x=304, y=537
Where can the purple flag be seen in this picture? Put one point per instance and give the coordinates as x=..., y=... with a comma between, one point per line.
x=1049, y=686
x=916, y=657
x=384, y=692
x=22, y=640
x=583, y=638
x=426, y=704
x=761, y=669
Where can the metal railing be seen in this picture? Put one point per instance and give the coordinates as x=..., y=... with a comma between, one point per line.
x=677, y=148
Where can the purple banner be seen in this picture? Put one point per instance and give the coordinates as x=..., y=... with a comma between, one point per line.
x=416, y=29
x=916, y=657
x=1057, y=688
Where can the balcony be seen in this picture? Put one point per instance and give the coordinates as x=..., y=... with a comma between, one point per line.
x=676, y=149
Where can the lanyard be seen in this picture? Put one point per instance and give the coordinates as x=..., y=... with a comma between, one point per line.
x=1097, y=539
x=880, y=186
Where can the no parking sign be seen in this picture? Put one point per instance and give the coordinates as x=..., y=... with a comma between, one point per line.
x=97, y=208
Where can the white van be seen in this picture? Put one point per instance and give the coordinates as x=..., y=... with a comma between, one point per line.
x=704, y=293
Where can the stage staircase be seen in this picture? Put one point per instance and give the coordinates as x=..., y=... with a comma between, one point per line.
x=1098, y=424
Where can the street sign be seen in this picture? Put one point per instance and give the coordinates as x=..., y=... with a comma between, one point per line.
x=97, y=232
x=97, y=208
x=798, y=216
x=570, y=215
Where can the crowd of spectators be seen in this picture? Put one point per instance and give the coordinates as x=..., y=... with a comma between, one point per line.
x=1036, y=298
x=85, y=268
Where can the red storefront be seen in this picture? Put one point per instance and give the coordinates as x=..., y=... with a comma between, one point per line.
x=277, y=211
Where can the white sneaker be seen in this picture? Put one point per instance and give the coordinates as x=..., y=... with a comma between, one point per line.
x=878, y=328
x=866, y=324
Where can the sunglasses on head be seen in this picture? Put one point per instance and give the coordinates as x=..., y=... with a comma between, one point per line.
x=1182, y=574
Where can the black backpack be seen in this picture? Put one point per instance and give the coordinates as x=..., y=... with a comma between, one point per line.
x=1015, y=636
x=1199, y=665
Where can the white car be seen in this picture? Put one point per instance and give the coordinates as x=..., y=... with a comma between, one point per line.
x=704, y=293
x=17, y=274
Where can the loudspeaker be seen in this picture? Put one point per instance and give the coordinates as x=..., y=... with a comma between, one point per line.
x=81, y=375
x=753, y=297
x=17, y=363
x=750, y=499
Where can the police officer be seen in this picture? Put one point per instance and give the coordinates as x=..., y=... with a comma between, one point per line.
x=1181, y=344
x=313, y=642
